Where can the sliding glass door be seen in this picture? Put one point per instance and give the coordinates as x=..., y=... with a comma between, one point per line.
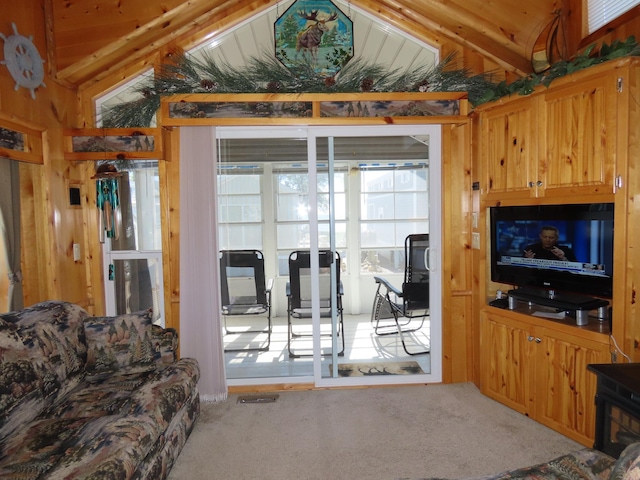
x=355, y=193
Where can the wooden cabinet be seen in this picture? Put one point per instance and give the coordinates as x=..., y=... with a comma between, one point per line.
x=578, y=136
x=539, y=368
x=575, y=142
x=510, y=149
x=560, y=141
x=564, y=389
x=505, y=346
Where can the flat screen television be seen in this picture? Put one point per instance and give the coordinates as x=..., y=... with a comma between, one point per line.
x=560, y=248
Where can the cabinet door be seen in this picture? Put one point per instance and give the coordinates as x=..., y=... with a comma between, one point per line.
x=579, y=137
x=564, y=389
x=505, y=349
x=509, y=148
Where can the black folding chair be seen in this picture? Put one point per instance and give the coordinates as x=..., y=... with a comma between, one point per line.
x=299, y=295
x=401, y=311
x=245, y=292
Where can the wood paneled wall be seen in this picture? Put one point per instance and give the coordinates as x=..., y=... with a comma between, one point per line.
x=459, y=343
x=74, y=38
x=49, y=225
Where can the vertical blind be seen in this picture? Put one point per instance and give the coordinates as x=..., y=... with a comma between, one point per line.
x=200, y=328
x=602, y=12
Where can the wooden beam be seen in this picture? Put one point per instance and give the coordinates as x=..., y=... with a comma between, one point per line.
x=144, y=41
x=437, y=18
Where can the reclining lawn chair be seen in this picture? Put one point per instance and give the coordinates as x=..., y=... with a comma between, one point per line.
x=299, y=295
x=245, y=292
x=401, y=311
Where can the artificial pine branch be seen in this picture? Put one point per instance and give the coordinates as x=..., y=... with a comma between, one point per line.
x=262, y=74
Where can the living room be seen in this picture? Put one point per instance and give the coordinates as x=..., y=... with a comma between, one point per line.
x=77, y=71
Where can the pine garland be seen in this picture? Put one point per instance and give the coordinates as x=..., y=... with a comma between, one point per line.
x=265, y=74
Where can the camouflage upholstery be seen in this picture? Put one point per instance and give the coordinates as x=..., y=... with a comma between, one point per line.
x=91, y=397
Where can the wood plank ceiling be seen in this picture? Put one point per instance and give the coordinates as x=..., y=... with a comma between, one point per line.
x=90, y=40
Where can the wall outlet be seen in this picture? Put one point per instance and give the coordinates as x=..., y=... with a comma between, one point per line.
x=76, y=252
x=475, y=241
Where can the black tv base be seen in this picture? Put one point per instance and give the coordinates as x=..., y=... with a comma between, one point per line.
x=580, y=304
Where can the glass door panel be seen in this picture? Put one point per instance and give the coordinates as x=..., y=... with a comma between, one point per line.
x=263, y=204
x=137, y=284
x=383, y=196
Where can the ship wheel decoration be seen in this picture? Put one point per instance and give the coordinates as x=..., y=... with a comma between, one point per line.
x=23, y=61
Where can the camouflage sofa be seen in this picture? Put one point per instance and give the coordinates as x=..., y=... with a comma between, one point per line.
x=91, y=397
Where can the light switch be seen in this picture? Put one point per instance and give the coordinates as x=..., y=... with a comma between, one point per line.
x=76, y=252
x=475, y=240
x=474, y=220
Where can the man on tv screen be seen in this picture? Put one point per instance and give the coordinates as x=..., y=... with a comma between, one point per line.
x=547, y=248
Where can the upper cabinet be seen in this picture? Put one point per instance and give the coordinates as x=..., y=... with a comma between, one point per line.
x=556, y=142
x=578, y=137
x=510, y=148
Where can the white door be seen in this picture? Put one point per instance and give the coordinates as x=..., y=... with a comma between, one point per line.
x=132, y=262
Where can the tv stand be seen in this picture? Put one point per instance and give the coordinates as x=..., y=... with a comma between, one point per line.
x=580, y=304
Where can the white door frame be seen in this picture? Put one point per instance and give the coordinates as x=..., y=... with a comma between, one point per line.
x=435, y=241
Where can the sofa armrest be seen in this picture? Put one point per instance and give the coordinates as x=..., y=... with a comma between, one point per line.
x=166, y=391
x=627, y=467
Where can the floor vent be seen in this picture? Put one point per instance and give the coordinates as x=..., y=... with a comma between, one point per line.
x=257, y=398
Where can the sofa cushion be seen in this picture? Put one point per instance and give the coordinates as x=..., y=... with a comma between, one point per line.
x=99, y=395
x=119, y=344
x=53, y=333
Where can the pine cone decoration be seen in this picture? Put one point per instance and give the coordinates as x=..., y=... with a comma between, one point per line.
x=423, y=87
x=329, y=82
x=274, y=86
x=366, y=85
x=209, y=85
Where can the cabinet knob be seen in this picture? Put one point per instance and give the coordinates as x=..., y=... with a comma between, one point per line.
x=539, y=183
x=530, y=338
x=538, y=340
x=531, y=184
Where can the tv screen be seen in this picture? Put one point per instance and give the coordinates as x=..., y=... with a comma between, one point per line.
x=565, y=248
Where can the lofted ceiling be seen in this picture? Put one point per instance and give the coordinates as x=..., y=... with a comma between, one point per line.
x=90, y=40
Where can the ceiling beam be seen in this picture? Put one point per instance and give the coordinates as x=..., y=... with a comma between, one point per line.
x=149, y=38
x=435, y=22
x=438, y=17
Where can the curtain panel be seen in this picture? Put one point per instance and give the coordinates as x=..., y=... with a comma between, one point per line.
x=10, y=229
x=200, y=328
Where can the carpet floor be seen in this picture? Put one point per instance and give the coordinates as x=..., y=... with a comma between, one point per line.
x=450, y=431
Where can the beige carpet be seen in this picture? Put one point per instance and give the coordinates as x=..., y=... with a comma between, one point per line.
x=385, y=433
